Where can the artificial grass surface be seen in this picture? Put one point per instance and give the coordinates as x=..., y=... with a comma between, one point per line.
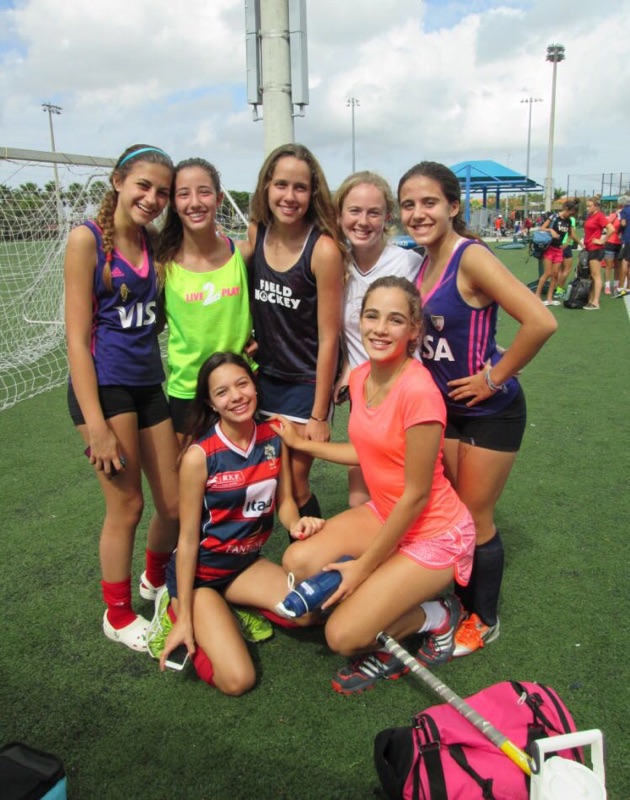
x=124, y=730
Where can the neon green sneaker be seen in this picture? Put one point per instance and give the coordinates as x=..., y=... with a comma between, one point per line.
x=161, y=624
x=254, y=626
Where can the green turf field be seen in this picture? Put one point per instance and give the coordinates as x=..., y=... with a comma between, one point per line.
x=123, y=730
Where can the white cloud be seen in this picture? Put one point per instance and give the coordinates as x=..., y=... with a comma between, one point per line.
x=434, y=80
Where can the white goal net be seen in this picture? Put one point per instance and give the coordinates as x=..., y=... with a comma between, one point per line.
x=41, y=199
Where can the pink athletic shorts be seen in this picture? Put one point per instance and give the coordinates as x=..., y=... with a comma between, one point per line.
x=554, y=254
x=454, y=548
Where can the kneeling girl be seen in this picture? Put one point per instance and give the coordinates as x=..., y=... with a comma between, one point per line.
x=232, y=474
x=415, y=535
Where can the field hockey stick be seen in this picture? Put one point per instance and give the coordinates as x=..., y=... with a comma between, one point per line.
x=514, y=753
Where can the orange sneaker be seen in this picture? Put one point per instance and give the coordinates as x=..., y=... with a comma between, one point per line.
x=473, y=634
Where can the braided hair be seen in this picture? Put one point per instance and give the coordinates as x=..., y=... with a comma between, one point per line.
x=105, y=217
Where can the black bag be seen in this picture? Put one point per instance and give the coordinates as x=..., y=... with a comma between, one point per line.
x=29, y=774
x=582, y=269
x=577, y=293
x=580, y=287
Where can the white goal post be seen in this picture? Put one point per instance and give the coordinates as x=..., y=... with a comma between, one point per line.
x=42, y=197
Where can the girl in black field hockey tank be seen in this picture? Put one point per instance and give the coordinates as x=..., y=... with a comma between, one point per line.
x=297, y=294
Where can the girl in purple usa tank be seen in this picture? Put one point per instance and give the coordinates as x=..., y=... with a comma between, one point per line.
x=463, y=285
x=115, y=395
x=296, y=281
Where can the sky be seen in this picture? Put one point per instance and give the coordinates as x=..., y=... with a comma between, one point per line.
x=435, y=80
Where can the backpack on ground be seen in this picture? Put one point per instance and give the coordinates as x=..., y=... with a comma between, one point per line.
x=580, y=287
x=442, y=756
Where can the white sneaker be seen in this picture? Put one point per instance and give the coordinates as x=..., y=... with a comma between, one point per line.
x=133, y=635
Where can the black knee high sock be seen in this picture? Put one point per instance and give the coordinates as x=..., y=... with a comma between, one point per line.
x=481, y=596
x=311, y=507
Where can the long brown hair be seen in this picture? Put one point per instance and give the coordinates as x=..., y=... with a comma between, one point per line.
x=105, y=218
x=201, y=416
x=172, y=233
x=320, y=210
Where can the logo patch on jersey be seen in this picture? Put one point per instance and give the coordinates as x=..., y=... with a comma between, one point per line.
x=437, y=322
x=117, y=273
x=259, y=498
x=124, y=292
x=270, y=455
x=226, y=480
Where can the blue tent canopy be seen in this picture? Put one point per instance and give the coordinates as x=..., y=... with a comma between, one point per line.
x=484, y=176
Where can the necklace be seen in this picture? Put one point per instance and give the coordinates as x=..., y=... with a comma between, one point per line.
x=386, y=385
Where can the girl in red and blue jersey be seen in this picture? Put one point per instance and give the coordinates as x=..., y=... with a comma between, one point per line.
x=233, y=473
x=463, y=285
x=115, y=395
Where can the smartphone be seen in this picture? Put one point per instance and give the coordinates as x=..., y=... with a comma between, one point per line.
x=113, y=471
x=178, y=658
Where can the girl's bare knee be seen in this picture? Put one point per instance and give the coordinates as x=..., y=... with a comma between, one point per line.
x=236, y=682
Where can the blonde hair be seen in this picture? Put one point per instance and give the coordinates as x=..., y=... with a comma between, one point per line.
x=105, y=218
x=370, y=179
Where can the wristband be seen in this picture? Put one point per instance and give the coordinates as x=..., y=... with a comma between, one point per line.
x=319, y=419
x=493, y=386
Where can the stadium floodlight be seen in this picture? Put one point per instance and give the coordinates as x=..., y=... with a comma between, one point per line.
x=529, y=101
x=555, y=54
x=53, y=109
x=352, y=103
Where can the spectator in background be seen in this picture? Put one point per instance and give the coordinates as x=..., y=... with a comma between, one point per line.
x=595, y=227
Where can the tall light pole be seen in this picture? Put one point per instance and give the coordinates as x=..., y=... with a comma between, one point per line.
x=352, y=103
x=555, y=54
x=53, y=109
x=529, y=101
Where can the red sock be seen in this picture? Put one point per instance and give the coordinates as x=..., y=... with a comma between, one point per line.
x=117, y=598
x=203, y=666
x=283, y=622
x=201, y=662
x=156, y=567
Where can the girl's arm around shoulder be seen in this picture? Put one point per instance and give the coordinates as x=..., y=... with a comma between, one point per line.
x=252, y=230
x=335, y=452
x=246, y=249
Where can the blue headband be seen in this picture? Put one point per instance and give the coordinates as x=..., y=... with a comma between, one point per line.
x=143, y=150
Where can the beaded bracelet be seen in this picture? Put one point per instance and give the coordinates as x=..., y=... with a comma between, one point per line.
x=493, y=386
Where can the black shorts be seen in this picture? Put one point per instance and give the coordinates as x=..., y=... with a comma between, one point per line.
x=596, y=255
x=611, y=250
x=567, y=252
x=179, y=408
x=625, y=252
x=219, y=584
x=502, y=431
x=148, y=402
